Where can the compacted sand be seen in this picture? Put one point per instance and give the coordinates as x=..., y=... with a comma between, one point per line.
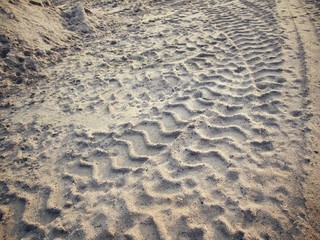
x=182, y=119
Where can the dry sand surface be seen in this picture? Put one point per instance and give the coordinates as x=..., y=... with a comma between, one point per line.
x=158, y=119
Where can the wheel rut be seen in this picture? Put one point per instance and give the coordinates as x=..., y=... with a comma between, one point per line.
x=189, y=126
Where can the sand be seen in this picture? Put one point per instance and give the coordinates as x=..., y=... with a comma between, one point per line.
x=160, y=119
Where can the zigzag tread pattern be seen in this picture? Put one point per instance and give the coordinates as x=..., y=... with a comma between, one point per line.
x=183, y=139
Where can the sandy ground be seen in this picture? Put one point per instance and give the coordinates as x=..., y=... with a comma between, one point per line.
x=182, y=119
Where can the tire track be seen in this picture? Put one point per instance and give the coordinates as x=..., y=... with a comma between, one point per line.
x=184, y=135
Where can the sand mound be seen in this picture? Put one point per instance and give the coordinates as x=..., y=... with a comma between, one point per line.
x=76, y=19
x=31, y=37
x=35, y=34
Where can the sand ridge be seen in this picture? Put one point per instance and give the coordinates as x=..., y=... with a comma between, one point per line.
x=179, y=120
